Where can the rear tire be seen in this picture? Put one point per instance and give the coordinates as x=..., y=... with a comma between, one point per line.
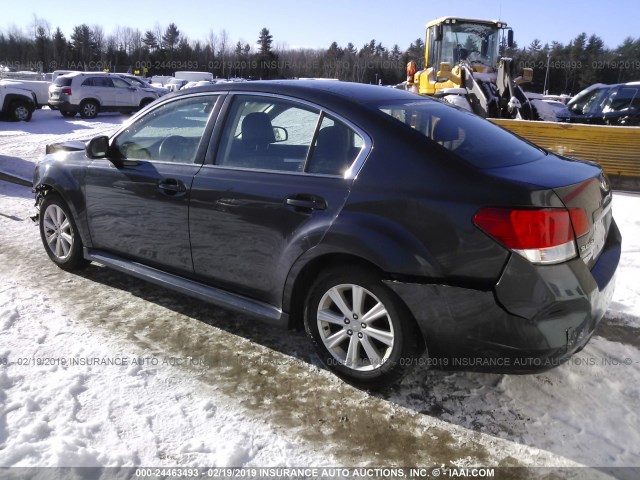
x=20, y=111
x=68, y=114
x=59, y=234
x=361, y=330
x=89, y=109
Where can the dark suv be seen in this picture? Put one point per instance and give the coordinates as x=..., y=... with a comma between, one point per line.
x=383, y=223
x=605, y=105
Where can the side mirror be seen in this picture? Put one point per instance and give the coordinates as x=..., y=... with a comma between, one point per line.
x=509, y=38
x=281, y=134
x=97, y=147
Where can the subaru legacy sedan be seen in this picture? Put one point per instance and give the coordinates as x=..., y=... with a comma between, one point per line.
x=393, y=228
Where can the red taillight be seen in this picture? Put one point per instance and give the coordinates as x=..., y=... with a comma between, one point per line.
x=580, y=221
x=540, y=235
x=66, y=91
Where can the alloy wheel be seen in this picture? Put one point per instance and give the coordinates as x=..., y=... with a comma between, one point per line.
x=58, y=232
x=355, y=327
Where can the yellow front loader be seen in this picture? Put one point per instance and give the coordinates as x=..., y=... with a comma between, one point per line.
x=463, y=67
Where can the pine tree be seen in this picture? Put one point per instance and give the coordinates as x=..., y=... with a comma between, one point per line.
x=150, y=41
x=171, y=38
x=265, y=40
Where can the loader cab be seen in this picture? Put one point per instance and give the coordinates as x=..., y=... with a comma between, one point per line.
x=455, y=40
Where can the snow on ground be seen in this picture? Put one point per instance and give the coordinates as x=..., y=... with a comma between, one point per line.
x=212, y=388
x=22, y=144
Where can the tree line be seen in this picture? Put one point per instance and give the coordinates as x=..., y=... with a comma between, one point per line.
x=161, y=51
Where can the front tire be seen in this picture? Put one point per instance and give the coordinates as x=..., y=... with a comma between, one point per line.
x=89, y=109
x=20, y=111
x=360, y=329
x=68, y=114
x=59, y=234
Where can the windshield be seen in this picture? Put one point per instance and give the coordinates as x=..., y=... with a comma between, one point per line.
x=475, y=140
x=470, y=41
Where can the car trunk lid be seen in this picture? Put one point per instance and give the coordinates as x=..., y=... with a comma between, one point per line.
x=580, y=185
x=594, y=196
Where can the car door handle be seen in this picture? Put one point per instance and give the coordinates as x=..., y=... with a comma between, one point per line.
x=306, y=202
x=171, y=185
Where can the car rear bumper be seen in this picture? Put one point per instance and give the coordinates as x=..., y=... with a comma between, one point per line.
x=63, y=105
x=535, y=318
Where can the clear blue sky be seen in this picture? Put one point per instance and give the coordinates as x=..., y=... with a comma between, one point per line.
x=318, y=23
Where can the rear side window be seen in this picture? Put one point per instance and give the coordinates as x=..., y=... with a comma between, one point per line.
x=475, y=140
x=63, y=82
x=275, y=134
x=265, y=133
x=98, y=82
x=335, y=148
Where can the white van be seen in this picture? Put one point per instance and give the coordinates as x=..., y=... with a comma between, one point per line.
x=194, y=76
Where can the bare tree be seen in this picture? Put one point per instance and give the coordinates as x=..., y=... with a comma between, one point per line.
x=212, y=41
x=224, y=42
x=99, y=39
x=40, y=23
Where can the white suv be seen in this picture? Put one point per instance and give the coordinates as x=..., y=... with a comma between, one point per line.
x=91, y=93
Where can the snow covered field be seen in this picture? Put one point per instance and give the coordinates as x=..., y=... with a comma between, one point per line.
x=100, y=369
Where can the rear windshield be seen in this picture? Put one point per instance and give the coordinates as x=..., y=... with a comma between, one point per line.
x=477, y=141
x=63, y=82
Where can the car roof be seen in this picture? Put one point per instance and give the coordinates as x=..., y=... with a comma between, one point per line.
x=78, y=74
x=313, y=90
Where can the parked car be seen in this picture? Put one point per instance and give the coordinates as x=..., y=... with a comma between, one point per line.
x=601, y=104
x=190, y=76
x=159, y=80
x=175, y=84
x=16, y=103
x=559, y=109
x=562, y=98
x=56, y=73
x=383, y=223
x=38, y=88
x=92, y=93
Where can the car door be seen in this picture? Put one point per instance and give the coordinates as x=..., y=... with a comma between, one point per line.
x=124, y=93
x=139, y=209
x=258, y=206
x=101, y=88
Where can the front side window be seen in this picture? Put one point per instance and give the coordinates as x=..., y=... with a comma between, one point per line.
x=119, y=83
x=582, y=104
x=137, y=82
x=170, y=133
